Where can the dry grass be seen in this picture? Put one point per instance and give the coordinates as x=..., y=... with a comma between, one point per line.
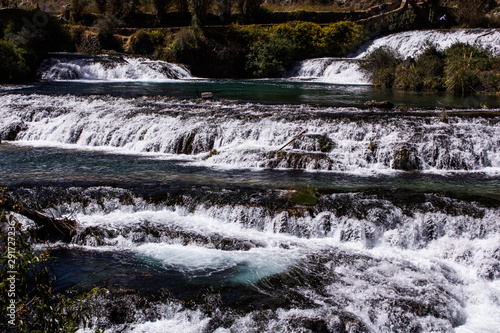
x=316, y=6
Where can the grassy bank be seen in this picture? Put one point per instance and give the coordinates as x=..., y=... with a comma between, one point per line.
x=460, y=69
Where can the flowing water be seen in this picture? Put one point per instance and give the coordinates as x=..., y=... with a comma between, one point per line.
x=192, y=218
x=406, y=44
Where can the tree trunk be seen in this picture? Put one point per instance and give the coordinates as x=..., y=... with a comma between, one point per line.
x=50, y=228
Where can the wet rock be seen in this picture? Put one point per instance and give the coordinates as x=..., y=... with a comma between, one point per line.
x=298, y=160
x=11, y=131
x=379, y=104
x=406, y=159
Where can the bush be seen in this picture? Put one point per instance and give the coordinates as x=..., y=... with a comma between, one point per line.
x=107, y=24
x=340, y=36
x=12, y=64
x=77, y=9
x=311, y=39
x=464, y=61
x=460, y=69
x=401, y=22
x=471, y=13
x=269, y=56
x=380, y=65
x=141, y=43
x=424, y=73
x=38, y=308
x=461, y=78
x=185, y=42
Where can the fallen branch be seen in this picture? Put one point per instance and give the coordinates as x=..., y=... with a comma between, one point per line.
x=50, y=228
x=292, y=140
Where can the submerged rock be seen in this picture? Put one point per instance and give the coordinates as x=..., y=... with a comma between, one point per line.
x=379, y=104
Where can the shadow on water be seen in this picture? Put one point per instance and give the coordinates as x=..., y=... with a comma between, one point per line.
x=22, y=166
x=264, y=91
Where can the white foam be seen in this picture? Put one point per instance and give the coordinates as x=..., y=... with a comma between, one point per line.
x=106, y=69
x=249, y=266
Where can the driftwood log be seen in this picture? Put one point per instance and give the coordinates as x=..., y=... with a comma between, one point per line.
x=50, y=228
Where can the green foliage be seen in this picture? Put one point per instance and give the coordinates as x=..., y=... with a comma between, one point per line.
x=269, y=55
x=312, y=39
x=272, y=49
x=186, y=41
x=50, y=36
x=198, y=10
x=249, y=8
x=380, y=65
x=12, y=64
x=426, y=73
x=464, y=62
x=306, y=196
x=461, y=78
x=24, y=45
x=141, y=43
x=460, y=69
x=160, y=8
x=29, y=292
x=342, y=35
x=401, y=22
x=106, y=25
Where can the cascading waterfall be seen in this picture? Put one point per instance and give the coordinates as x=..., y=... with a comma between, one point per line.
x=108, y=68
x=378, y=263
x=407, y=44
x=193, y=220
x=249, y=135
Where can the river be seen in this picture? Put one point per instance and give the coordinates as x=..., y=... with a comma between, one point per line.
x=190, y=217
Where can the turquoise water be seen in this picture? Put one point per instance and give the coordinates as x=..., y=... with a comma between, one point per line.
x=180, y=243
x=266, y=91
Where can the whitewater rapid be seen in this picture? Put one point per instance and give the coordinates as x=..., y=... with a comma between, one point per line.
x=384, y=265
x=407, y=44
x=233, y=135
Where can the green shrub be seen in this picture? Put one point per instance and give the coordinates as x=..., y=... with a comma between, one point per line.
x=311, y=39
x=269, y=55
x=12, y=64
x=185, y=42
x=424, y=73
x=38, y=308
x=77, y=9
x=304, y=35
x=338, y=37
x=141, y=43
x=408, y=78
x=461, y=78
x=380, y=65
x=52, y=36
x=107, y=24
x=464, y=62
x=401, y=22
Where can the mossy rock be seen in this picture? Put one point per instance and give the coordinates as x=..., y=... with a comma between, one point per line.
x=306, y=196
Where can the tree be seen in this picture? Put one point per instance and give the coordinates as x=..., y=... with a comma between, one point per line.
x=160, y=8
x=198, y=10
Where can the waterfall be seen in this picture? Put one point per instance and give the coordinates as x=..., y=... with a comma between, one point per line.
x=408, y=44
x=419, y=261
x=108, y=68
x=248, y=135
